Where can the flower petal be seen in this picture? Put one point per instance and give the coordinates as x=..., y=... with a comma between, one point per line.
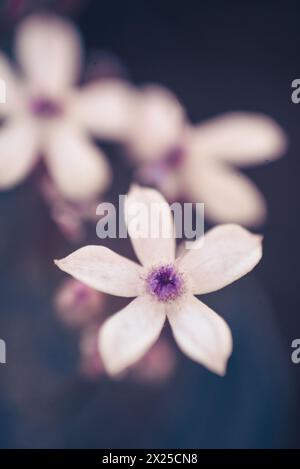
x=79, y=169
x=228, y=195
x=241, y=138
x=126, y=336
x=227, y=253
x=150, y=225
x=156, y=174
x=158, y=124
x=104, y=108
x=18, y=151
x=201, y=334
x=10, y=87
x=103, y=269
x=49, y=51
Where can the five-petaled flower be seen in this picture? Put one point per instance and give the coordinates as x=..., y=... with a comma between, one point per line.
x=45, y=114
x=164, y=286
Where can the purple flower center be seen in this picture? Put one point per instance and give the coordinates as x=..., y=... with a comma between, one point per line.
x=165, y=283
x=45, y=108
x=175, y=157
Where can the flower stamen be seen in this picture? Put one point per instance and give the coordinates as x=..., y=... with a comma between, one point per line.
x=45, y=108
x=165, y=283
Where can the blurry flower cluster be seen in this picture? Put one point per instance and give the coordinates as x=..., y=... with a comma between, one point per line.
x=52, y=124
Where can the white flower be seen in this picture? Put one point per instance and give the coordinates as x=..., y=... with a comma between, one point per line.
x=201, y=162
x=46, y=115
x=165, y=287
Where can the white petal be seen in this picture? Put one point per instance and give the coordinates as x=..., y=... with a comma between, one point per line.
x=201, y=334
x=125, y=337
x=18, y=151
x=10, y=88
x=49, y=51
x=158, y=124
x=228, y=195
x=228, y=253
x=79, y=169
x=150, y=225
x=103, y=269
x=241, y=138
x=104, y=108
x=157, y=175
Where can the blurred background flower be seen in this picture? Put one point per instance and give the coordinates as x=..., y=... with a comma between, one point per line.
x=47, y=115
x=199, y=163
x=77, y=304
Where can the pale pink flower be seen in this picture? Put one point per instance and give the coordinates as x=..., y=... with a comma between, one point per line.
x=47, y=115
x=76, y=304
x=90, y=362
x=200, y=162
x=157, y=365
x=165, y=287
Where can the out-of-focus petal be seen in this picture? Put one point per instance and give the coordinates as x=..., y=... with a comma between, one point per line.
x=104, y=108
x=103, y=269
x=201, y=334
x=125, y=337
x=79, y=169
x=227, y=253
x=90, y=364
x=158, y=175
x=241, y=138
x=228, y=195
x=150, y=225
x=10, y=88
x=157, y=365
x=49, y=52
x=157, y=125
x=18, y=151
x=76, y=304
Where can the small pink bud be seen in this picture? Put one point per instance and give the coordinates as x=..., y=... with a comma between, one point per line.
x=77, y=304
x=90, y=363
x=158, y=365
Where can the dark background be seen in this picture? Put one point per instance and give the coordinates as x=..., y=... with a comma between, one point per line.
x=216, y=57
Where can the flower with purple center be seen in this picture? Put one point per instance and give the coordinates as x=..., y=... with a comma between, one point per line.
x=165, y=283
x=164, y=286
x=47, y=116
